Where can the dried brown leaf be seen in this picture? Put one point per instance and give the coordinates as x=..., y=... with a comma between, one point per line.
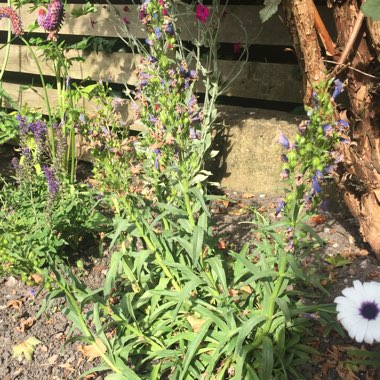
x=25, y=324
x=94, y=350
x=14, y=304
x=196, y=323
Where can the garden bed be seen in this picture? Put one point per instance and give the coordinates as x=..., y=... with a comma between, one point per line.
x=53, y=360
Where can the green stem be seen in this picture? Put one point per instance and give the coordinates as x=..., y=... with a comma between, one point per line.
x=50, y=125
x=188, y=203
x=276, y=290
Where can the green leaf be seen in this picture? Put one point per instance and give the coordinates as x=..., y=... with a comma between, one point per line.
x=281, y=302
x=217, y=266
x=193, y=347
x=270, y=8
x=246, y=329
x=371, y=8
x=267, y=362
x=197, y=244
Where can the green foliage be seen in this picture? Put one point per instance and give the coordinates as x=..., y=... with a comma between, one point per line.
x=270, y=9
x=34, y=226
x=371, y=8
x=8, y=127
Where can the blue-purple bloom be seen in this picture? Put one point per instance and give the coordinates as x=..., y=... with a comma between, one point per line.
x=319, y=175
x=338, y=89
x=280, y=206
x=315, y=183
x=170, y=29
x=157, y=32
x=156, y=160
x=283, y=140
x=327, y=129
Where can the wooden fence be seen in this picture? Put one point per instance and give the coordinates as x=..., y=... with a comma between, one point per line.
x=270, y=78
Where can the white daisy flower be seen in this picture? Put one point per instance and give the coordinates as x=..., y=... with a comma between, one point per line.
x=359, y=311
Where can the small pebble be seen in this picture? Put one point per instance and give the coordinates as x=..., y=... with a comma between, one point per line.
x=364, y=264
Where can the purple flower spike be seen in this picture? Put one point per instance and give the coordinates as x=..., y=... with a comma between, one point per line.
x=338, y=88
x=315, y=183
x=53, y=182
x=52, y=20
x=283, y=140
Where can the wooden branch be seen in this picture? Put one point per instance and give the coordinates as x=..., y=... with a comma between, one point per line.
x=324, y=34
x=352, y=39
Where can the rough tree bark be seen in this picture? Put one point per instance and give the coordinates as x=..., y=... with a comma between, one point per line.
x=360, y=179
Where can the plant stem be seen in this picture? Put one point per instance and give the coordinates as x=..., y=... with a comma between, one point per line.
x=50, y=125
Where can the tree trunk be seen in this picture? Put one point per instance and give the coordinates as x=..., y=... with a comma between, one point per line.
x=360, y=179
x=300, y=21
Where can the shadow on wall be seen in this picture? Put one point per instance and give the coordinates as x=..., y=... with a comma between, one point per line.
x=249, y=152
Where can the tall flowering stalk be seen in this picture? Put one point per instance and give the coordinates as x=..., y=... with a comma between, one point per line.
x=312, y=159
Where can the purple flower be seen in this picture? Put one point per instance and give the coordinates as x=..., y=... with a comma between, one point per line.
x=193, y=134
x=53, y=182
x=169, y=29
x=149, y=42
x=308, y=198
x=329, y=169
x=152, y=119
x=280, y=206
x=157, y=152
x=157, y=32
x=327, y=129
x=15, y=163
x=52, y=20
x=315, y=183
x=338, y=89
x=285, y=174
x=303, y=126
x=283, y=140
x=319, y=174
x=284, y=158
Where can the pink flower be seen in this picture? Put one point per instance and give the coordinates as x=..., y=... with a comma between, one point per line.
x=164, y=10
x=202, y=13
